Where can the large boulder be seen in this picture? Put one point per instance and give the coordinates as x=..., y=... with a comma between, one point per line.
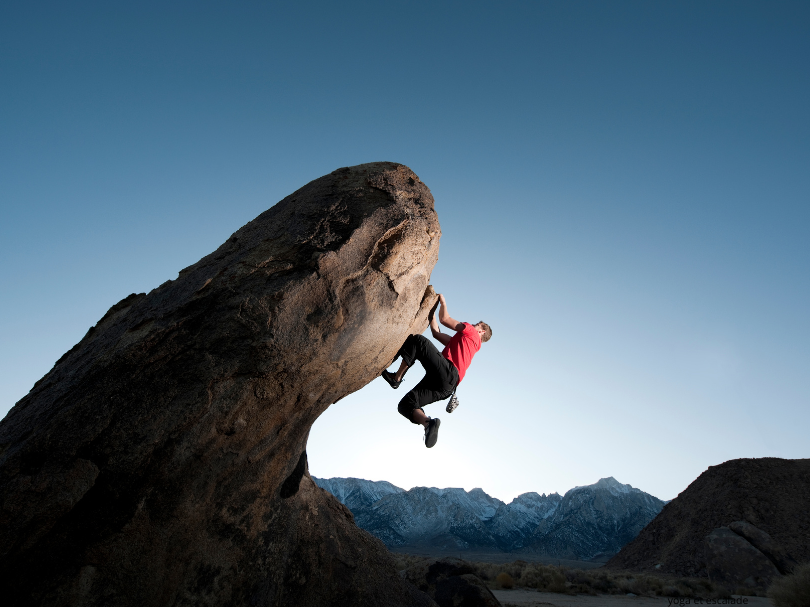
x=732, y=561
x=451, y=582
x=765, y=544
x=162, y=460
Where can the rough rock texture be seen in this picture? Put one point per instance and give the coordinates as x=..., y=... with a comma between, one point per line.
x=765, y=544
x=770, y=493
x=162, y=460
x=451, y=583
x=732, y=561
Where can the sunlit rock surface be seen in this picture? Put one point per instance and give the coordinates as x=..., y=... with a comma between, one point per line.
x=162, y=460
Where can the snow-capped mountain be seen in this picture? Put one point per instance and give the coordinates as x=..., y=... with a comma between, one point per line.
x=585, y=523
x=593, y=521
x=481, y=504
x=356, y=493
x=516, y=521
x=444, y=519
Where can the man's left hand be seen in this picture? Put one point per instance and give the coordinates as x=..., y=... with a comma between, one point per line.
x=433, y=311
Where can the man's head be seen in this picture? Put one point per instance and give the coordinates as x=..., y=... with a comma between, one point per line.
x=483, y=330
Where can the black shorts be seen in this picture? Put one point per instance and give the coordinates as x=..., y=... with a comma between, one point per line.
x=441, y=376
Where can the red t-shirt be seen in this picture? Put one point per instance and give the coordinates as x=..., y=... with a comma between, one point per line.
x=462, y=347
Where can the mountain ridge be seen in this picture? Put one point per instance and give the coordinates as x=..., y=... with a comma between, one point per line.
x=587, y=522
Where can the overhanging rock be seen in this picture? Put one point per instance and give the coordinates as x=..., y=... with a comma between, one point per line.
x=162, y=460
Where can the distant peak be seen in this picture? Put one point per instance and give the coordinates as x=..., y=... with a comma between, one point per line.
x=609, y=483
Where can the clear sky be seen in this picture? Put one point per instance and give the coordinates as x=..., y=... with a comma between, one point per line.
x=622, y=188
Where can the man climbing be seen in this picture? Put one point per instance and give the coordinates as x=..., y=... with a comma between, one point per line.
x=443, y=371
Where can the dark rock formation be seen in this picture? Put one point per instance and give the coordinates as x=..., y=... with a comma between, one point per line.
x=451, y=582
x=731, y=561
x=770, y=494
x=765, y=544
x=162, y=460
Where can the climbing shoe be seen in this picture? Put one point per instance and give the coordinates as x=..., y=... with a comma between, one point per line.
x=432, y=432
x=389, y=377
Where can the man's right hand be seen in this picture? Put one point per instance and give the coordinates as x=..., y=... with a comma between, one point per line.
x=446, y=319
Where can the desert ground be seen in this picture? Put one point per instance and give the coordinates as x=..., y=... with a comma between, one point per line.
x=498, y=557
x=531, y=598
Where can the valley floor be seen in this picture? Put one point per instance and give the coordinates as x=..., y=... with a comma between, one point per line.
x=497, y=557
x=532, y=598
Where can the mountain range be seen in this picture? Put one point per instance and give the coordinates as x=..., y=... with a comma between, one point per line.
x=590, y=522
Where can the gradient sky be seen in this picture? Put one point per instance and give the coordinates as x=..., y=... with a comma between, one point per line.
x=622, y=188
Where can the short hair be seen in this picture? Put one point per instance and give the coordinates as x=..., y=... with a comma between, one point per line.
x=487, y=331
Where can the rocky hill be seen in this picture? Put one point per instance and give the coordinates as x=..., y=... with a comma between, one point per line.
x=586, y=523
x=162, y=460
x=759, y=508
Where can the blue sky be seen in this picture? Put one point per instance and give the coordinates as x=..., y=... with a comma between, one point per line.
x=622, y=188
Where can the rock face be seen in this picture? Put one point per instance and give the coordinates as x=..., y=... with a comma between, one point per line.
x=732, y=561
x=162, y=460
x=765, y=544
x=765, y=502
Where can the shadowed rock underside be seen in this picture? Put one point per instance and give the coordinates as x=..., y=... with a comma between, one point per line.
x=162, y=460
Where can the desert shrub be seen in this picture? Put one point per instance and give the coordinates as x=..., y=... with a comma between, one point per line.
x=504, y=580
x=486, y=571
x=792, y=590
x=602, y=583
x=404, y=561
x=671, y=591
x=654, y=586
x=550, y=579
x=579, y=582
x=515, y=569
x=685, y=589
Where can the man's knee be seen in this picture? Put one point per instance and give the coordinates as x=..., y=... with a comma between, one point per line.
x=417, y=344
x=419, y=340
x=411, y=348
x=405, y=407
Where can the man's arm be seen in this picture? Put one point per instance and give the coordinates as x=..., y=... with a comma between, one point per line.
x=434, y=327
x=446, y=319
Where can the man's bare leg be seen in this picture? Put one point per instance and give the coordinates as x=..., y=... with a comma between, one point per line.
x=394, y=379
x=401, y=371
x=418, y=417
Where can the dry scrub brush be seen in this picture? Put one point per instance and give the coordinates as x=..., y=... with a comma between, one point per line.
x=550, y=578
x=792, y=590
